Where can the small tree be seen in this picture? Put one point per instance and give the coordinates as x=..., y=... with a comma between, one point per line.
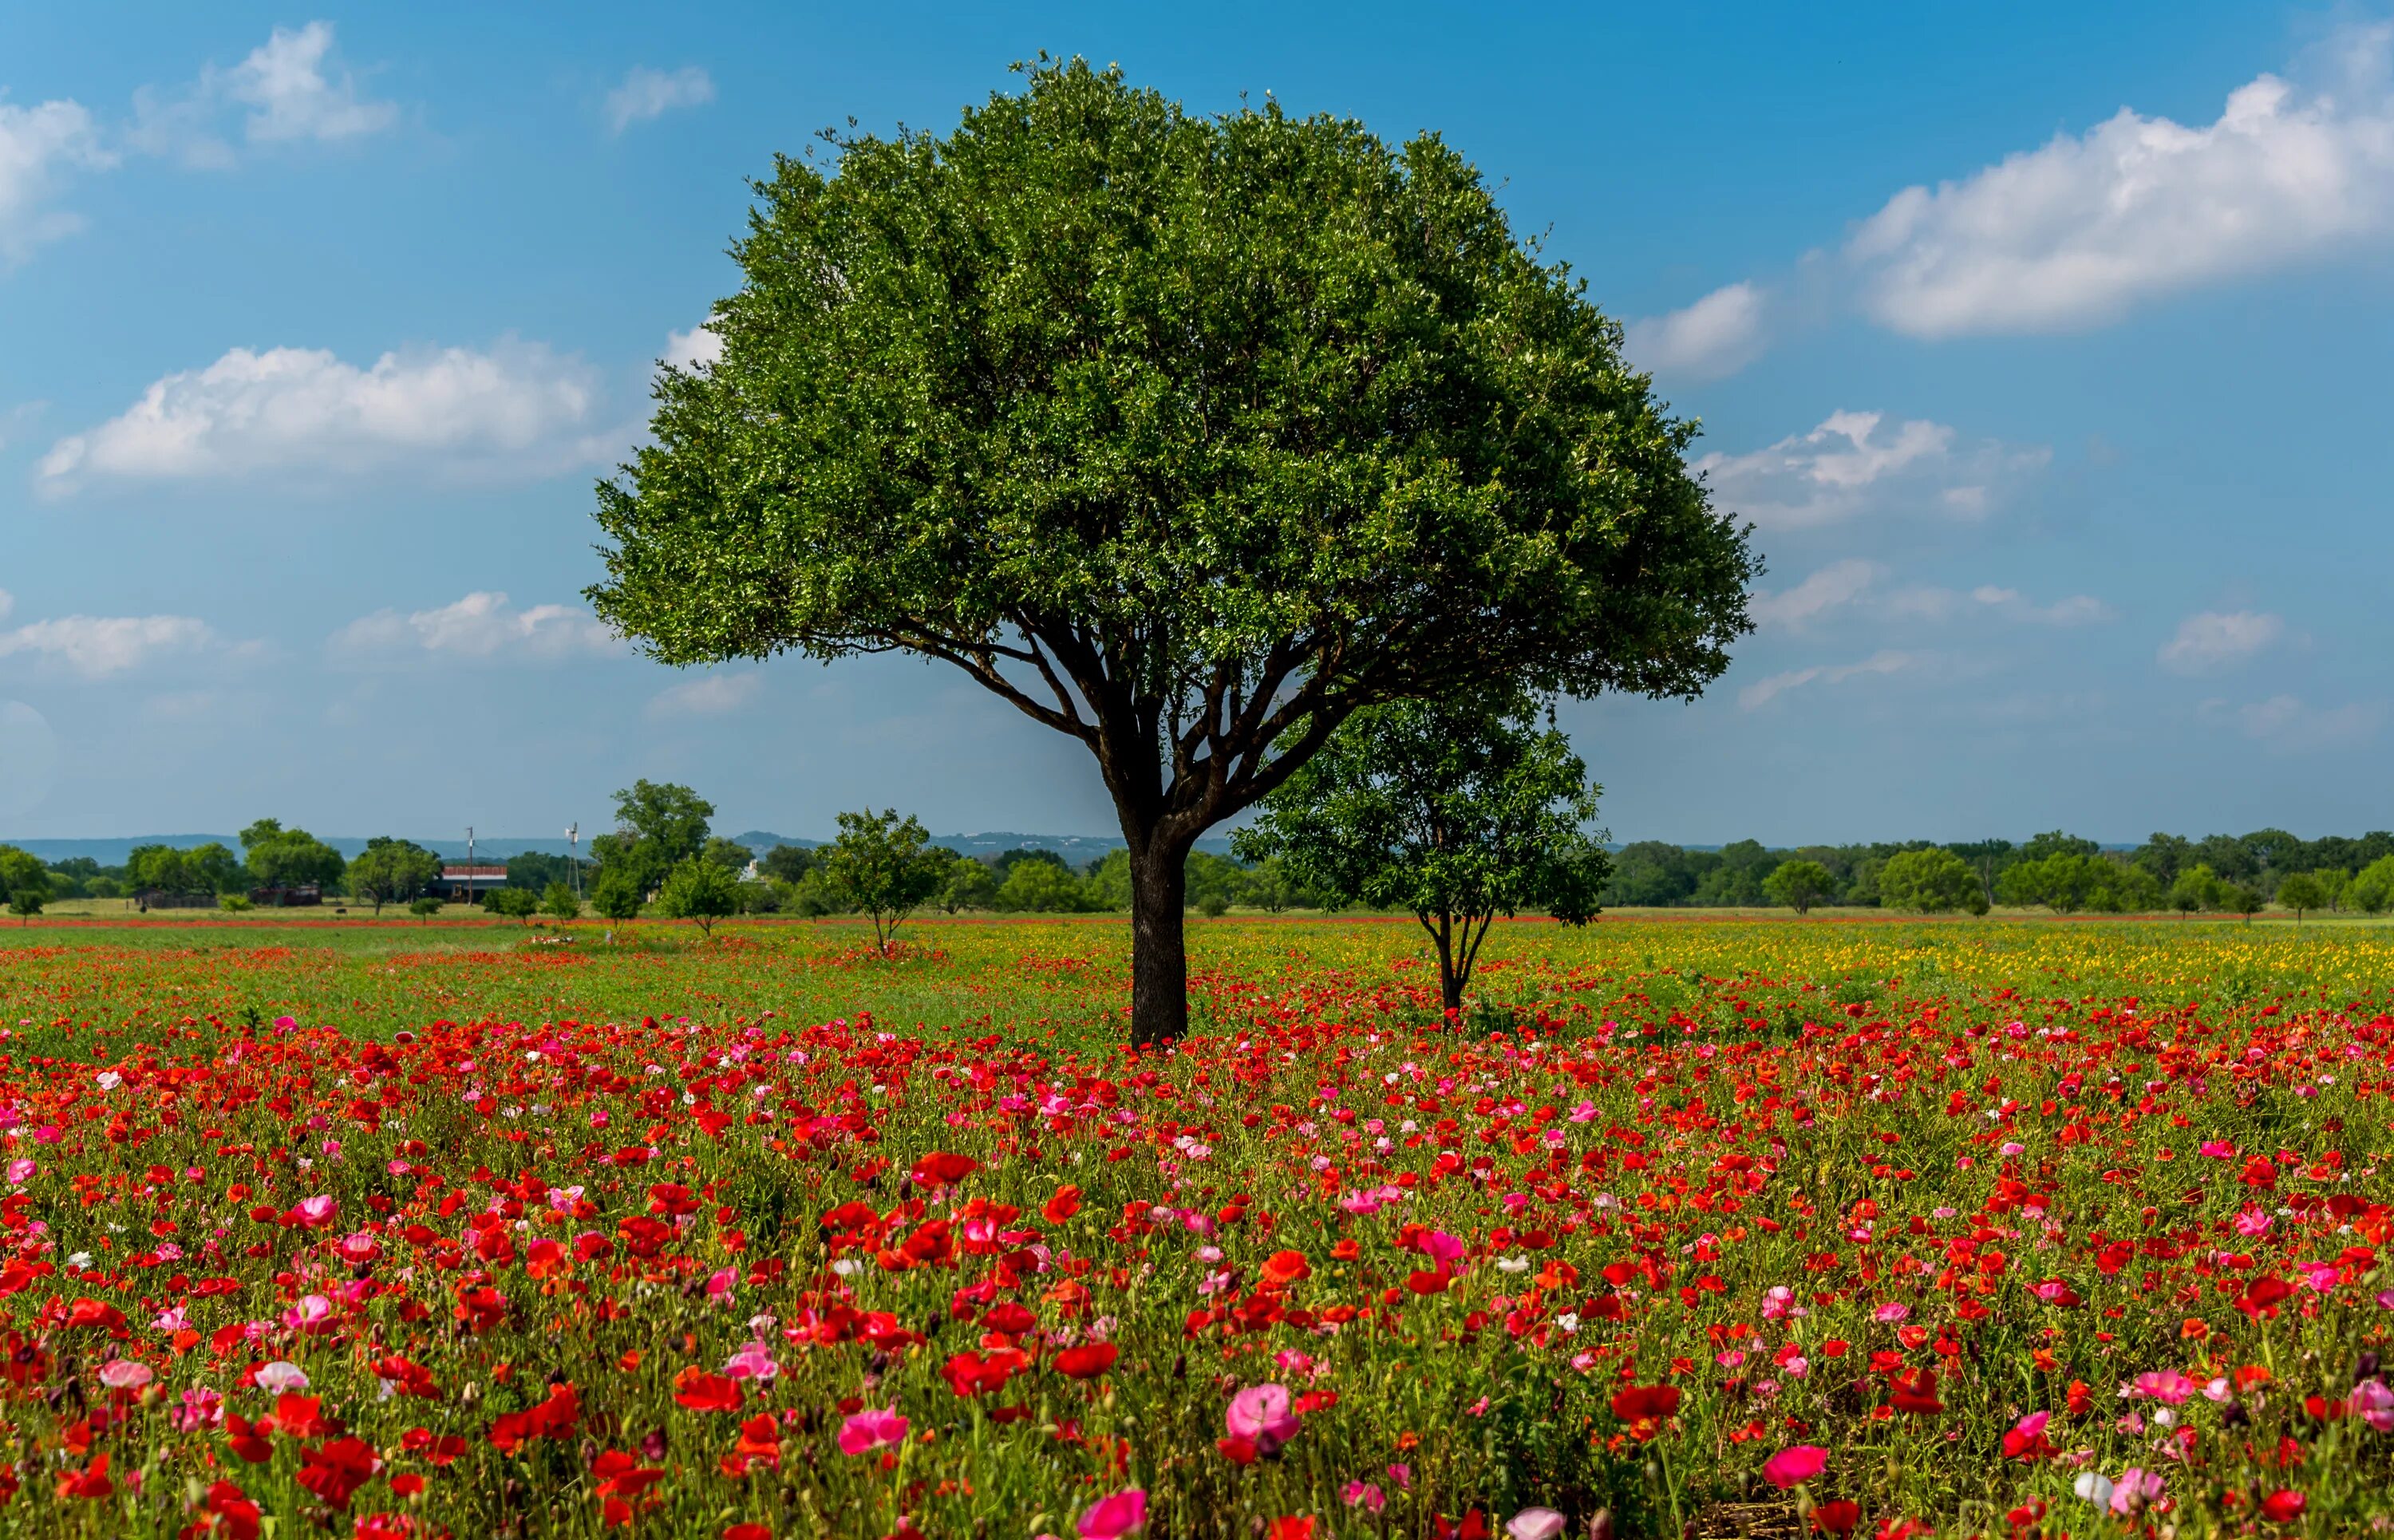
x=515, y=903
x=22, y=876
x=558, y=904
x=2196, y=887
x=786, y=863
x=2242, y=897
x=883, y=866
x=1456, y=811
x=700, y=891
x=424, y=908
x=26, y=902
x=2371, y=890
x=1798, y=884
x=1931, y=882
x=969, y=884
x=617, y=894
x=387, y=871
x=2300, y=892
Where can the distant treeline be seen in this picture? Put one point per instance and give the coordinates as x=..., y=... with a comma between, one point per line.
x=2056, y=870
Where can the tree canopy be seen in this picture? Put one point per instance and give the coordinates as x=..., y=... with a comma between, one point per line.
x=883, y=866
x=392, y=871
x=658, y=824
x=1189, y=436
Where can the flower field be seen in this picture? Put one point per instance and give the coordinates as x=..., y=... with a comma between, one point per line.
x=1764, y=1229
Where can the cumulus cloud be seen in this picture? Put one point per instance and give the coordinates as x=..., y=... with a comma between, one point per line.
x=1838, y=583
x=2213, y=639
x=287, y=90
x=2286, y=724
x=480, y=626
x=1763, y=692
x=2077, y=231
x=96, y=646
x=647, y=94
x=514, y=410
x=707, y=695
x=40, y=147
x=689, y=349
x=1857, y=461
x=1717, y=334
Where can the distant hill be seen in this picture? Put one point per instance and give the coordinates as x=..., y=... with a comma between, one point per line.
x=1077, y=848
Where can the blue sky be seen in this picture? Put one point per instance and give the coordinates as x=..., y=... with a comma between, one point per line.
x=2044, y=345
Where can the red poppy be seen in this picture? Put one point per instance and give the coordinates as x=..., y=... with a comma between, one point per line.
x=703, y=1392
x=1062, y=1207
x=941, y=1169
x=1087, y=1361
x=1916, y=1394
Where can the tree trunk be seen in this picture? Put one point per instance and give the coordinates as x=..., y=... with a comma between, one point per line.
x=1450, y=983
x=1159, y=951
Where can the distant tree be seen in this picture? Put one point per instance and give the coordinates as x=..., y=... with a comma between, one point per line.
x=618, y=894
x=1650, y=874
x=1215, y=884
x=26, y=902
x=2196, y=887
x=1045, y=887
x=658, y=824
x=424, y=908
x=2065, y=883
x=21, y=872
x=967, y=884
x=1739, y=871
x=762, y=897
x=514, y=904
x=2334, y=882
x=729, y=854
x=882, y=865
x=557, y=903
x=786, y=862
x=2371, y=890
x=700, y=891
x=1931, y=881
x=1456, y=813
x=2164, y=856
x=1987, y=858
x=1273, y=889
x=235, y=904
x=389, y=871
x=1186, y=434
x=1797, y=884
x=2244, y=897
x=2044, y=846
x=2301, y=891
x=535, y=869
x=281, y=858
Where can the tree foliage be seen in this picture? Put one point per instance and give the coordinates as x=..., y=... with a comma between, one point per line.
x=1798, y=884
x=658, y=824
x=392, y=871
x=1456, y=811
x=1189, y=436
x=1930, y=882
x=883, y=866
x=700, y=890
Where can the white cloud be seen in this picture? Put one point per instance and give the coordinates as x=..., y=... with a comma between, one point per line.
x=94, y=646
x=647, y=94
x=2286, y=724
x=1933, y=603
x=695, y=347
x=707, y=695
x=2076, y=232
x=1717, y=334
x=1853, y=462
x=282, y=82
x=516, y=409
x=39, y=145
x=285, y=89
x=2213, y=639
x=481, y=625
x=1764, y=690
x=1840, y=582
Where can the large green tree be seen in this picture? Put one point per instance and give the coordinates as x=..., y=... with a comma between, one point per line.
x=281, y=858
x=392, y=870
x=1456, y=811
x=658, y=825
x=1189, y=436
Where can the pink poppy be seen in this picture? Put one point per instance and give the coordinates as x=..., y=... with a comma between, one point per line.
x=1534, y=1524
x=1262, y=1413
x=1795, y=1465
x=871, y=1429
x=1108, y=1517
